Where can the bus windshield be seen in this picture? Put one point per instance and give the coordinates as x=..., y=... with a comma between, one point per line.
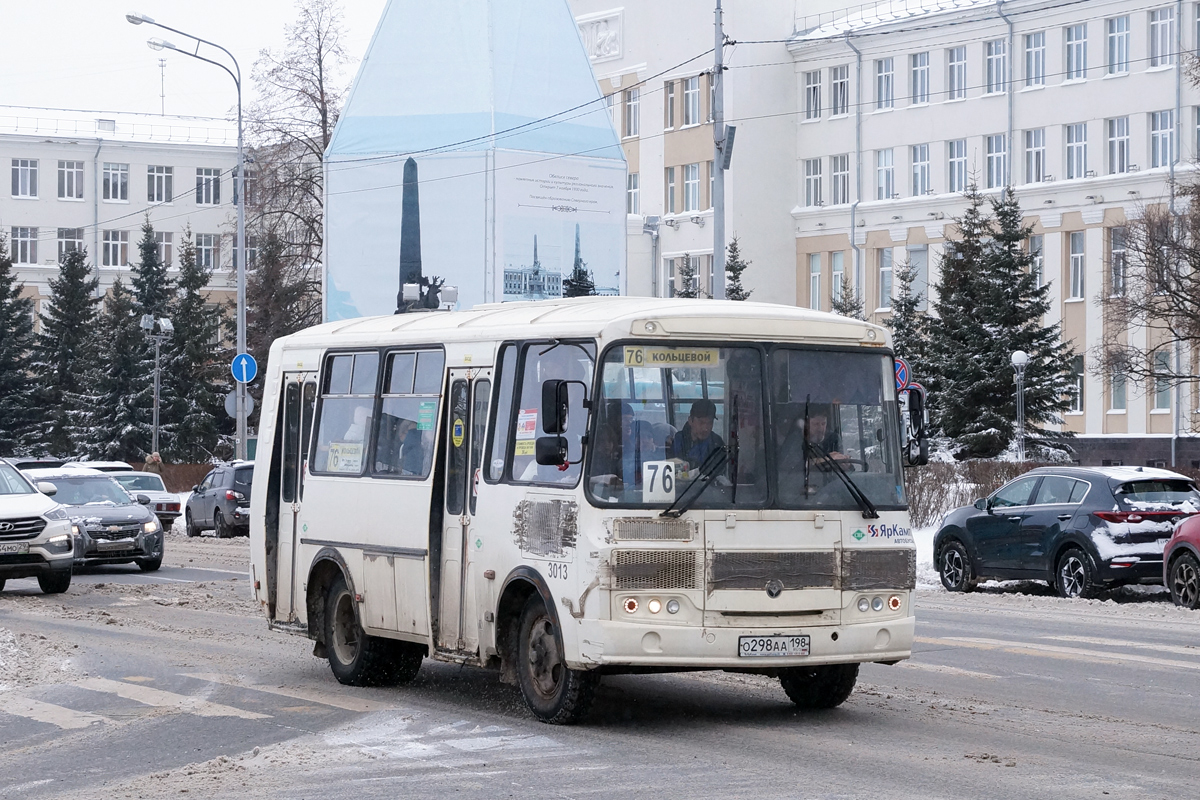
x=745, y=426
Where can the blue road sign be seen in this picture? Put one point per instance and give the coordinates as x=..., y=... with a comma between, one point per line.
x=902, y=375
x=244, y=368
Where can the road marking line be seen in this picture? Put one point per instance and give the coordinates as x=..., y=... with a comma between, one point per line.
x=947, y=669
x=157, y=697
x=333, y=699
x=1163, y=648
x=1050, y=651
x=65, y=718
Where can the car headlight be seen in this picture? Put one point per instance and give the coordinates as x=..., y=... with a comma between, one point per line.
x=56, y=513
x=150, y=527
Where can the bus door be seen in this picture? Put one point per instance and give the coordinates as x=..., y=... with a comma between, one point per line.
x=299, y=397
x=466, y=421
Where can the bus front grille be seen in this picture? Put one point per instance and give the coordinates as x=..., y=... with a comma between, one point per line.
x=635, y=529
x=879, y=569
x=657, y=569
x=801, y=570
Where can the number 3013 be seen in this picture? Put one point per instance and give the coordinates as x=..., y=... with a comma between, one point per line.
x=557, y=570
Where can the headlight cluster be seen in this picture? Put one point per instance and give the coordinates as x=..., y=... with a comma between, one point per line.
x=877, y=603
x=150, y=527
x=56, y=513
x=59, y=544
x=654, y=605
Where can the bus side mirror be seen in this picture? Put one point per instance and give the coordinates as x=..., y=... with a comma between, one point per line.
x=555, y=402
x=551, y=451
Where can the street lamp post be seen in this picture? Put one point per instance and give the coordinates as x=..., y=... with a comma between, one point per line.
x=1020, y=359
x=165, y=329
x=239, y=196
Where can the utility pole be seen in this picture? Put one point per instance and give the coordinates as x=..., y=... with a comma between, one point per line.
x=718, y=198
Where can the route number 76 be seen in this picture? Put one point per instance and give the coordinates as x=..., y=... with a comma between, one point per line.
x=658, y=482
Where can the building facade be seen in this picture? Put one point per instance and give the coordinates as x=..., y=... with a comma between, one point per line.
x=89, y=181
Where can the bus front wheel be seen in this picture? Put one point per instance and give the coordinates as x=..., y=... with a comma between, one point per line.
x=554, y=693
x=825, y=686
x=356, y=658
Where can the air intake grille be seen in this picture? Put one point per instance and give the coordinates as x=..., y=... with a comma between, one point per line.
x=638, y=529
x=23, y=528
x=123, y=531
x=879, y=569
x=656, y=569
x=810, y=570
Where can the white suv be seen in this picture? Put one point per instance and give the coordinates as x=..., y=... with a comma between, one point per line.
x=35, y=532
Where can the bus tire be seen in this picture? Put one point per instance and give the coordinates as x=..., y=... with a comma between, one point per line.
x=355, y=658
x=554, y=693
x=818, y=687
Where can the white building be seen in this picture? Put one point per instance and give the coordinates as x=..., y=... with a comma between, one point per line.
x=88, y=181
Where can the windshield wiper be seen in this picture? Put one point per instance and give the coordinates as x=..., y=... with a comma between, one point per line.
x=708, y=470
x=864, y=503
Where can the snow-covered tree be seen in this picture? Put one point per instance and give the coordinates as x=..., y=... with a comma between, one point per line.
x=849, y=302
x=64, y=352
x=907, y=322
x=18, y=407
x=735, y=265
x=150, y=280
x=688, y=285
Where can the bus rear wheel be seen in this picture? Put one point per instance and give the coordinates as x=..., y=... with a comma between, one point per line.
x=826, y=686
x=554, y=693
x=356, y=658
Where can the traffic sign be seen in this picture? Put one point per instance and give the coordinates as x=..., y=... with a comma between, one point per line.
x=244, y=368
x=902, y=375
x=231, y=404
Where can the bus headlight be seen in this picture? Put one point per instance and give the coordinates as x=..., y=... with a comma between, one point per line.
x=877, y=604
x=654, y=605
x=864, y=605
x=672, y=606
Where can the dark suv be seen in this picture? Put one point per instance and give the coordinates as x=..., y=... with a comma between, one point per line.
x=1081, y=529
x=222, y=501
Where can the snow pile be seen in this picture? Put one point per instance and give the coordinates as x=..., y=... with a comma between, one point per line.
x=927, y=574
x=28, y=659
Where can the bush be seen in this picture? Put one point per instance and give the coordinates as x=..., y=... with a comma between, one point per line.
x=938, y=488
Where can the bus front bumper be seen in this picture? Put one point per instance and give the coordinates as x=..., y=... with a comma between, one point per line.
x=611, y=643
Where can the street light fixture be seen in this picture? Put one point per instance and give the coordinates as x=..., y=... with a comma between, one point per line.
x=240, y=196
x=165, y=329
x=1020, y=360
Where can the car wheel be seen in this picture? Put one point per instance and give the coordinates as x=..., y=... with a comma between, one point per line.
x=554, y=692
x=148, y=564
x=1185, y=581
x=219, y=526
x=356, y=658
x=954, y=565
x=819, y=687
x=1075, y=577
x=190, y=526
x=55, y=582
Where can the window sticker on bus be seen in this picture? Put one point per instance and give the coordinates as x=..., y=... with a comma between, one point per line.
x=672, y=356
x=527, y=423
x=425, y=415
x=458, y=433
x=345, y=457
x=658, y=482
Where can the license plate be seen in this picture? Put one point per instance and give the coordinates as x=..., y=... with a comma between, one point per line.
x=13, y=547
x=119, y=544
x=768, y=646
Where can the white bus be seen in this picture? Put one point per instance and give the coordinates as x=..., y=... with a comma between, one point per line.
x=565, y=489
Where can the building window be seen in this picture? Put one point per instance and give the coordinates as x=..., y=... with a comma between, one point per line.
x=884, y=86
x=1037, y=256
x=920, y=170
x=1116, y=260
x=158, y=184
x=669, y=272
x=670, y=204
x=1162, y=130
x=1076, y=36
x=1117, y=391
x=885, y=279
x=920, y=77
x=840, y=89
x=1162, y=380
x=814, y=281
x=1077, y=150
x=956, y=172
x=669, y=106
x=70, y=180
x=208, y=186
x=165, y=246
x=1035, y=155
x=1162, y=37
x=691, y=187
x=996, y=63
x=839, y=170
x=610, y=103
x=956, y=73
x=812, y=182
x=1118, y=145
x=115, y=248
x=1035, y=59
x=691, y=101
x=69, y=240
x=251, y=182
x=1076, y=390
x=23, y=245
x=837, y=274
x=252, y=254
x=633, y=105
x=1078, y=264
x=885, y=175
x=997, y=161
x=633, y=203
x=1118, y=45
x=207, y=250
x=24, y=177
x=918, y=260
x=812, y=95
x=116, y=182
x=708, y=166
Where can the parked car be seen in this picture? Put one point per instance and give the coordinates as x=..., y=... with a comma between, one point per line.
x=221, y=502
x=35, y=532
x=164, y=504
x=1080, y=529
x=1181, y=564
x=101, y=466
x=110, y=525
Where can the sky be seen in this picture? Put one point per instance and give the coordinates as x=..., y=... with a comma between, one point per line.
x=84, y=55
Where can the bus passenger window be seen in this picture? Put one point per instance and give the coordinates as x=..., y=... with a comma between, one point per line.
x=544, y=361
x=346, y=408
x=405, y=437
x=507, y=366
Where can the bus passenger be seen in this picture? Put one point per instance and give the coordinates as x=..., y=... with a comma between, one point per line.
x=697, y=440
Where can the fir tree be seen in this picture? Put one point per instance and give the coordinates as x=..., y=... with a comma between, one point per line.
x=906, y=322
x=150, y=280
x=848, y=303
x=689, y=287
x=18, y=408
x=120, y=386
x=735, y=265
x=64, y=352
x=192, y=373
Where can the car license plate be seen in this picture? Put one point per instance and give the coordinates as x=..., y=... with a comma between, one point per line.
x=767, y=646
x=13, y=547
x=119, y=544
